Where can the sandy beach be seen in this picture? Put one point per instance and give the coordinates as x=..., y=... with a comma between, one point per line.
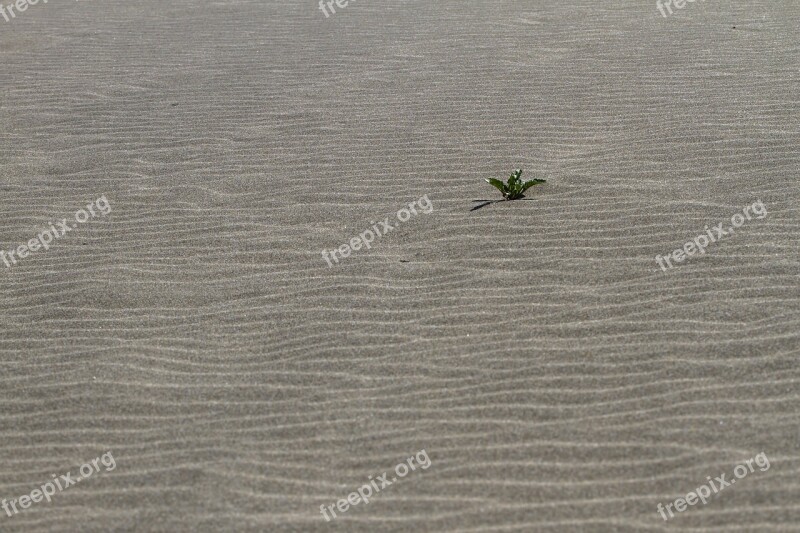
x=556, y=377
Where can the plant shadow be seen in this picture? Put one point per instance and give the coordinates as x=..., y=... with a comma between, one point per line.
x=487, y=202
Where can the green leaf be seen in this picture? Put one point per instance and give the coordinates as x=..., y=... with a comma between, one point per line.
x=528, y=184
x=498, y=184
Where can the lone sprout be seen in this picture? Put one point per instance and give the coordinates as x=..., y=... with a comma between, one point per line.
x=515, y=188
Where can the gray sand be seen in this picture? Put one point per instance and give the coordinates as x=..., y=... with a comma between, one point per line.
x=557, y=379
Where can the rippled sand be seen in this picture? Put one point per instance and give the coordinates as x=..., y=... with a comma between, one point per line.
x=557, y=378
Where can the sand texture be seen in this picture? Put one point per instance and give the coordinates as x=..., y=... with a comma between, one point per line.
x=556, y=377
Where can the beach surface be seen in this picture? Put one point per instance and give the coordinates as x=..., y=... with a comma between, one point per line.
x=555, y=375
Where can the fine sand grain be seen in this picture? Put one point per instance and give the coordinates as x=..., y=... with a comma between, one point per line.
x=556, y=377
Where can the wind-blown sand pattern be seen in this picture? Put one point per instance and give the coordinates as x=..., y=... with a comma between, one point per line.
x=557, y=378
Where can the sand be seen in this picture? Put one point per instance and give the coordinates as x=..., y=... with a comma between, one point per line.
x=556, y=377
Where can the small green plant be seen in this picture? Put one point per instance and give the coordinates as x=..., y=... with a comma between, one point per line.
x=515, y=188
